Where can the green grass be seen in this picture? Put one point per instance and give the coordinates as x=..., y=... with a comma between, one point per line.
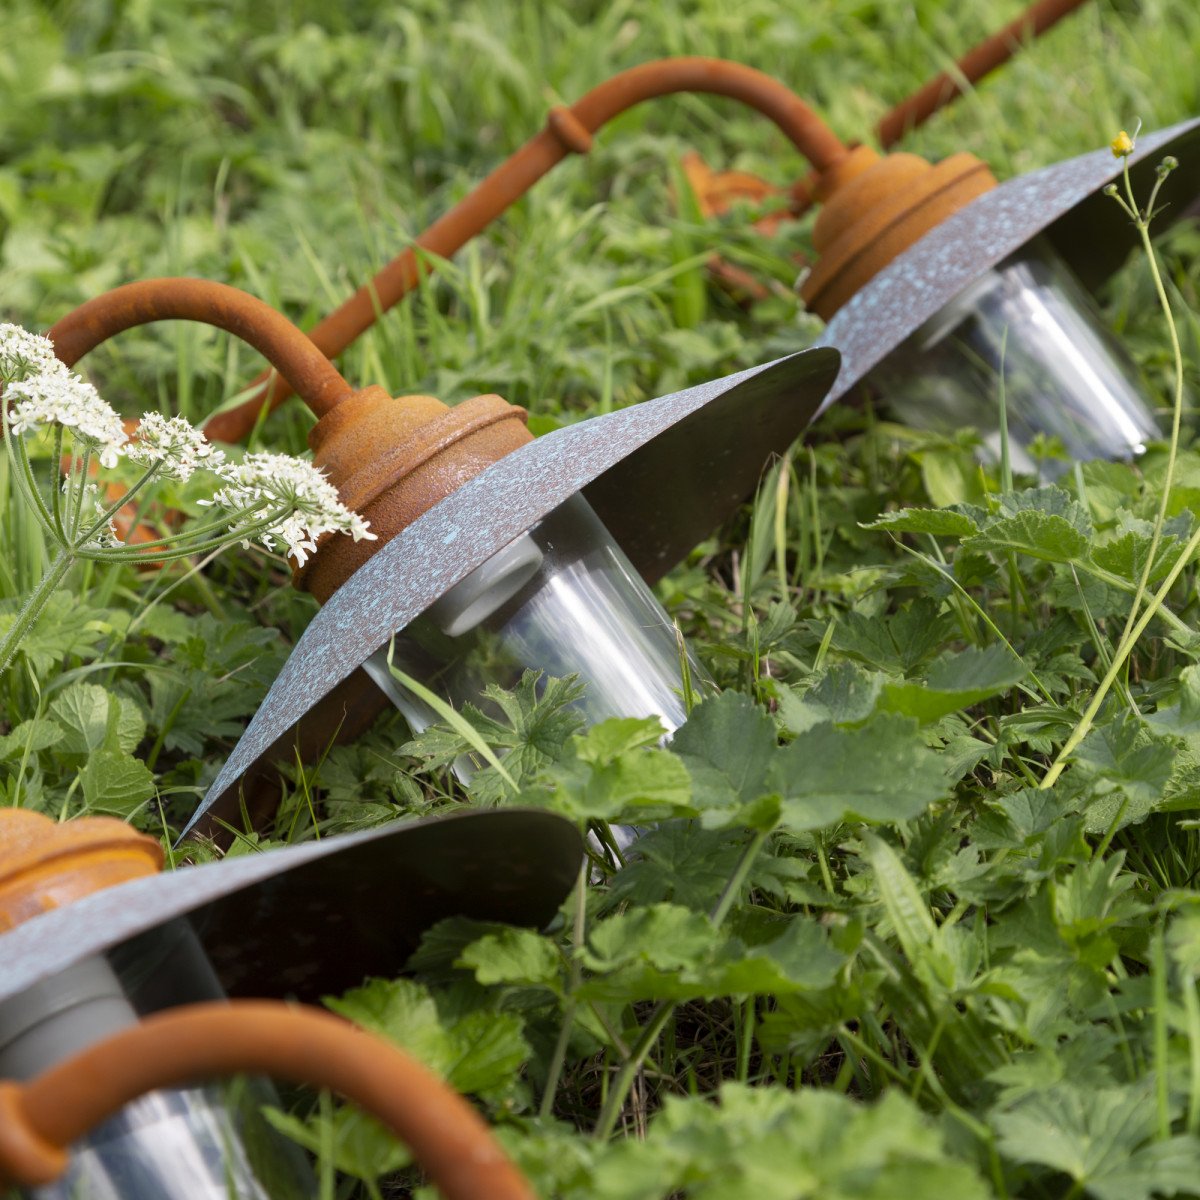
x=871, y=960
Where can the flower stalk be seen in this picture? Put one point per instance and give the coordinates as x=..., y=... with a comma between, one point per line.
x=278, y=501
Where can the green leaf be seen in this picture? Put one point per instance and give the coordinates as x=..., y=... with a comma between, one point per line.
x=897, y=644
x=84, y=712
x=905, y=906
x=667, y=952
x=115, y=782
x=1043, y=523
x=30, y=737
x=1102, y=1138
x=940, y=522
x=358, y=1144
x=1121, y=754
x=772, y=1143
x=1182, y=717
x=727, y=745
x=882, y=771
x=844, y=695
x=514, y=956
x=480, y=1053
x=955, y=682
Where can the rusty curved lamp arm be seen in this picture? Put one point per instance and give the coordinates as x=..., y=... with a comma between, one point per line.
x=40, y=1119
x=568, y=130
x=315, y=379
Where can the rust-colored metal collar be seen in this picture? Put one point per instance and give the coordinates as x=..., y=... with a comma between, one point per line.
x=41, y=1118
x=393, y=458
x=875, y=209
x=45, y=864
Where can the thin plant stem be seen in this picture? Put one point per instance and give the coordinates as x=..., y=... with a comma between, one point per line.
x=116, y=506
x=559, y=1055
x=1122, y=652
x=32, y=608
x=665, y=1009
x=1142, y=223
x=56, y=492
x=77, y=495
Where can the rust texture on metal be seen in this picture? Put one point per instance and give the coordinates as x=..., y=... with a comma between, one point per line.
x=1065, y=202
x=260, y=917
x=45, y=864
x=875, y=209
x=660, y=475
x=41, y=1118
x=393, y=458
x=567, y=131
x=316, y=380
x=977, y=63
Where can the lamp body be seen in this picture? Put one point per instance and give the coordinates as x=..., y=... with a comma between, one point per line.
x=562, y=599
x=1026, y=326
x=192, y=1143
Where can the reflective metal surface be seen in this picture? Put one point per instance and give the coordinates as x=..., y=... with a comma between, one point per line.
x=1029, y=327
x=180, y=1144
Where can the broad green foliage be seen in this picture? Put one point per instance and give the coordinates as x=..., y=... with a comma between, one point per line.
x=858, y=952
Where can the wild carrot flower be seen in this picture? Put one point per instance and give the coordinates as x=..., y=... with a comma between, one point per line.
x=307, y=503
x=174, y=443
x=58, y=397
x=23, y=353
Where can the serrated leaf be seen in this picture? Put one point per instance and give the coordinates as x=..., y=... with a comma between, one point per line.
x=882, y=771
x=514, y=956
x=358, y=1144
x=1120, y=753
x=1037, y=534
x=1182, y=717
x=899, y=643
x=480, y=1053
x=726, y=745
x=1102, y=1139
x=115, y=782
x=84, y=712
x=940, y=522
x=30, y=737
x=772, y=1143
x=845, y=695
x=955, y=682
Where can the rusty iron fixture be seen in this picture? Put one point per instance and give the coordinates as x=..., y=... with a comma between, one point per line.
x=569, y=130
x=40, y=1119
x=659, y=476
x=77, y=983
x=316, y=380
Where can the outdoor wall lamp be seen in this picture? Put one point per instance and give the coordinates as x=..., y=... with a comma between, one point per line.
x=488, y=559
x=93, y=938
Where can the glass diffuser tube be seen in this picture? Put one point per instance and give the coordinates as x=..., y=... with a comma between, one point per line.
x=191, y=1143
x=562, y=599
x=1029, y=326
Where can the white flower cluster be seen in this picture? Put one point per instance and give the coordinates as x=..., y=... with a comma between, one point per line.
x=65, y=399
x=267, y=483
x=174, y=442
x=23, y=353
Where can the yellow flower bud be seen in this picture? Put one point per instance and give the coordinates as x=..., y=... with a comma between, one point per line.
x=1121, y=145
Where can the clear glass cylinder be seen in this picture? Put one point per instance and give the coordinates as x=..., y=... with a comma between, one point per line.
x=195, y=1143
x=562, y=599
x=1064, y=374
x=176, y=1144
